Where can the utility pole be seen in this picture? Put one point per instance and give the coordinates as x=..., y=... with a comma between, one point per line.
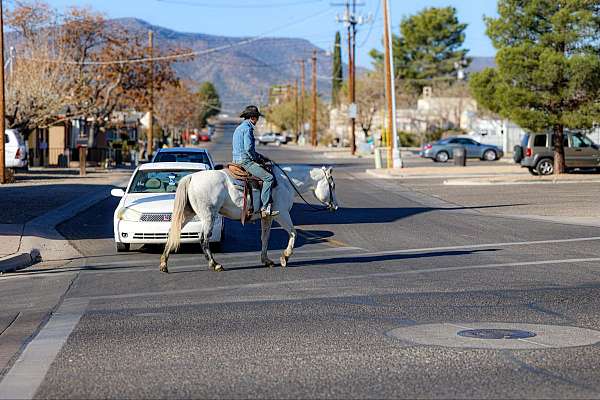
x=351, y=19
x=351, y=92
x=314, y=99
x=390, y=90
x=302, y=92
x=296, y=127
x=2, y=128
x=150, y=135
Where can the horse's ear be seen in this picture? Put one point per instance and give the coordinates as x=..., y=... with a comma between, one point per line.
x=329, y=170
x=317, y=173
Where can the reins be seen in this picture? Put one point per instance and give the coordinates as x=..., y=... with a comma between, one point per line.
x=315, y=209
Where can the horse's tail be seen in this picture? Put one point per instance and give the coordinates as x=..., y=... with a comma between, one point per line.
x=181, y=201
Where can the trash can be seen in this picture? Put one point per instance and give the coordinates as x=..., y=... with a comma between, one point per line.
x=460, y=156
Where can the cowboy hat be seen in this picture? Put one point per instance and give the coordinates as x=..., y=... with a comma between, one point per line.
x=251, y=111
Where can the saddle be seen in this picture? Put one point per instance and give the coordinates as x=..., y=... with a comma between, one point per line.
x=248, y=182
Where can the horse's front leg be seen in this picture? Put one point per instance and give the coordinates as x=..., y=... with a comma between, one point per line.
x=265, y=225
x=285, y=220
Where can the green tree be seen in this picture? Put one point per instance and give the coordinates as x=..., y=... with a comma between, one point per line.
x=209, y=103
x=338, y=73
x=548, y=67
x=429, y=46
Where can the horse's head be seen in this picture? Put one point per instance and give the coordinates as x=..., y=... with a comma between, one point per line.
x=325, y=187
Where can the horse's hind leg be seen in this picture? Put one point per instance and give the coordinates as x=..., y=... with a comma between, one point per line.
x=265, y=224
x=205, y=243
x=285, y=220
x=164, y=258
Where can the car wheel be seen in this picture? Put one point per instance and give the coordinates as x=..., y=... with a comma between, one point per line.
x=123, y=247
x=278, y=143
x=490, y=155
x=545, y=166
x=442, y=156
x=532, y=171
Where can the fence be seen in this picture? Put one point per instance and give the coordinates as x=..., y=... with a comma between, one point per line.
x=61, y=157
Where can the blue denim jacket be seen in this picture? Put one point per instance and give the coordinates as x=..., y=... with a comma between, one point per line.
x=243, y=143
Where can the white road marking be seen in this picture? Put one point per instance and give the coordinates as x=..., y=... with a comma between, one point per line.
x=479, y=246
x=26, y=376
x=262, y=285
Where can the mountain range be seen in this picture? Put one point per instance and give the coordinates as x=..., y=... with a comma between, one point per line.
x=245, y=68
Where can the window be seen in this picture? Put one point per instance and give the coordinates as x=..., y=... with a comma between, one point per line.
x=172, y=156
x=581, y=141
x=525, y=140
x=540, y=140
x=6, y=140
x=157, y=181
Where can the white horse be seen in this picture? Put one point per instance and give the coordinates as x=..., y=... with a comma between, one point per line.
x=208, y=193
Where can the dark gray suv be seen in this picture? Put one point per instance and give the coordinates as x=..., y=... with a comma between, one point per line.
x=536, y=152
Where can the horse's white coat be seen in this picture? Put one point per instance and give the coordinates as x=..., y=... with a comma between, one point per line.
x=208, y=193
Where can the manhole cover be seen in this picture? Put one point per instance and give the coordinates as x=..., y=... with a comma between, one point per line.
x=495, y=334
x=470, y=335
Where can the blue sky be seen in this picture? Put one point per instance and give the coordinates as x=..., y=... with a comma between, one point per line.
x=310, y=19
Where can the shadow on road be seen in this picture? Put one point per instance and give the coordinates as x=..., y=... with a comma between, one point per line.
x=302, y=214
x=358, y=259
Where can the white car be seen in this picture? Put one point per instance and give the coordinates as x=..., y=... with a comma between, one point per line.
x=15, y=149
x=143, y=215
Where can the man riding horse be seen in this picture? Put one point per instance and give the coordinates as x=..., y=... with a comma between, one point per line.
x=244, y=154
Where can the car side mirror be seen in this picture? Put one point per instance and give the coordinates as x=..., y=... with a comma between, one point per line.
x=219, y=166
x=117, y=192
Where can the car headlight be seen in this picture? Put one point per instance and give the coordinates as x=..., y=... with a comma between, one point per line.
x=128, y=214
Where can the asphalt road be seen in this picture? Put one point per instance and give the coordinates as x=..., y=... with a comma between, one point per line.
x=340, y=321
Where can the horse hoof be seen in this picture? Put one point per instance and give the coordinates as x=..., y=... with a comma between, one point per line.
x=269, y=264
x=218, y=268
x=163, y=268
x=283, y=261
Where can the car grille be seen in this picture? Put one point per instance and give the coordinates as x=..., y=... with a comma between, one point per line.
x=156, y=217
x=185, y=235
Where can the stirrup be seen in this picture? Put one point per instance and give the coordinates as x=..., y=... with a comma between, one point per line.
x=267, y=212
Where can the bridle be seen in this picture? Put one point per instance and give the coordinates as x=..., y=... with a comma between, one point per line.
x=330, y=183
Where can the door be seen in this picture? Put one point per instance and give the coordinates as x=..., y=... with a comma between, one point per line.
x=581, y=152
x=472, y=147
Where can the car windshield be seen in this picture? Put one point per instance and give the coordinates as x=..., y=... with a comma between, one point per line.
x=157, y=181
x=173, y=156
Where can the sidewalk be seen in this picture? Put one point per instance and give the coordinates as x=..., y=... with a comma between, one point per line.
x=40, y=200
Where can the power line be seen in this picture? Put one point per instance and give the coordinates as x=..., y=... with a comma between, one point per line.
x=238, y=5
x=180, y=55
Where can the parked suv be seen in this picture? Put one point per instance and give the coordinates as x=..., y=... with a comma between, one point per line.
x=536, y=152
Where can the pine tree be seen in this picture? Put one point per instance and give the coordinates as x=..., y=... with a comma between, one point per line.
x=338, y=73
x=428, y=47
x=548, y=67
x=209, y=102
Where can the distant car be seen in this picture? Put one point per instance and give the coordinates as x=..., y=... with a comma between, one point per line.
x=15, y=149
x=204, y=137
x=143, y=215
x=276, y=138
x=184, y=154
x=536, y=152
x=443, y=150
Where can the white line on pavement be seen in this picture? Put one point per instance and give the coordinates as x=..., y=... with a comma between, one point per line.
x=26, y=376
x=345, y=277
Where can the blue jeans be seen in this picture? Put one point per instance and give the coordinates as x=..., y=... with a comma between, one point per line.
x=258, y=171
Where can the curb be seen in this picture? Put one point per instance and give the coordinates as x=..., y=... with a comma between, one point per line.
x=19, y=261
x=466, y=182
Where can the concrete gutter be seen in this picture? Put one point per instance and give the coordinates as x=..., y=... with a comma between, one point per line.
x=519, y=181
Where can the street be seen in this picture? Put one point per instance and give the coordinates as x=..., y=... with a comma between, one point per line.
x=368, y=307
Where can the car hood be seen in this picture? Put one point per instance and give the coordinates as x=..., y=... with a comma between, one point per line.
x=150, y=203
